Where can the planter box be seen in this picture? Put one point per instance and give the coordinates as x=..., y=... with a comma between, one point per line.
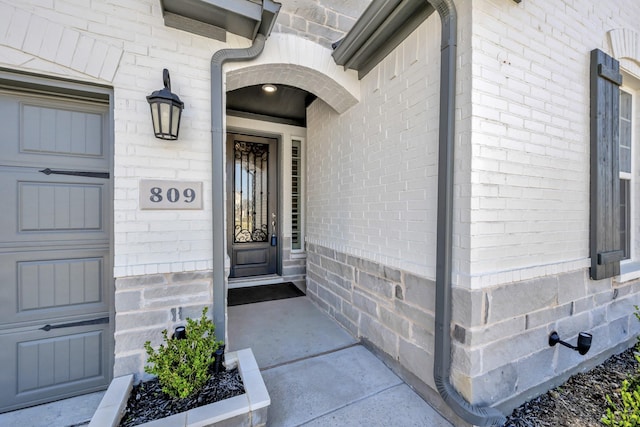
x=249, y=409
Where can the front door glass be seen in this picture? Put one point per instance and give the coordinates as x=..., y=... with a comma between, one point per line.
x=251, y=177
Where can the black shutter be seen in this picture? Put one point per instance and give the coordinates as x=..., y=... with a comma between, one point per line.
x=606, y=250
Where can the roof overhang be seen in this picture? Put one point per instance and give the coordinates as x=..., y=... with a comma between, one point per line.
x=213, y=18
x=380, y=29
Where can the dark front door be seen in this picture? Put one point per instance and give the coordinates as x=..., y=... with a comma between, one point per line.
x=55, y=264
x=252, y=205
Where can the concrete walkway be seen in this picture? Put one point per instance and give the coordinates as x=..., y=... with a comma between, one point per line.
x=317, y=374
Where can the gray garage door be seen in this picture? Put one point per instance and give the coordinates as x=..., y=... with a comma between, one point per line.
x=55, y=266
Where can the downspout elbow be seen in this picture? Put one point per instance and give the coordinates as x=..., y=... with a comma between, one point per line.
x=480, y=416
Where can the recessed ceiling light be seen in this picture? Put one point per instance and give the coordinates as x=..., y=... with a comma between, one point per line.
x=269, y=88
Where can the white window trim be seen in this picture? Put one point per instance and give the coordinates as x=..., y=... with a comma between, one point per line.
x=301, y=253
x=630, y=268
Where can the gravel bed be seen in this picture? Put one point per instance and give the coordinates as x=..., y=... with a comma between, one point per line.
x=147, y=401
x=581, y=401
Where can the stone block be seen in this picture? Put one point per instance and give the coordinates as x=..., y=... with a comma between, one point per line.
x=419, y=291
x=572, y=286
x=520, y=298
x=193, y=311
x=312, y=285
x=374, y=268
x=345, y=284
x=534, y=370
x=190, y=276
x=129, y=364
x=494, y=385
x=583, y=304
x=417, y=360
x=366, y=304
x=598, y=286
x=293, y=270
x=342, y=270
x=391, y=320
x=501, y=352
x=603, y=298
x=329, y=297
x=141, y=319
x=350, y=311
x=347, y=323
x=399, y=292
x=133, y=341
x=313, y=258
x=620, y=308
x=326, y=252
x=316, y=273
x=414, y=314
x=338, y=290
x=468, y=307
x=481, y=335
x=466, y=360
x=379, y=335
x=547, y=315
x=175, y=293
x=128, y=300
x=422, y=337
x=570, y=326
x=140, y=281
x=597, y=316
x=376, y=285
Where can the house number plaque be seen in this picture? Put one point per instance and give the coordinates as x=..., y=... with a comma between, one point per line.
x=163, y=194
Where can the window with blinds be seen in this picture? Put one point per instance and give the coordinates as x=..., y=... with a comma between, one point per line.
x=296, y=195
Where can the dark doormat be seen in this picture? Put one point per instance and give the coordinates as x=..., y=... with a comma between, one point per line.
x=250, y=295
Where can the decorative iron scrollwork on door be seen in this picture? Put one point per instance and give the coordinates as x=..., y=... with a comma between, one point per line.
x=250, y=180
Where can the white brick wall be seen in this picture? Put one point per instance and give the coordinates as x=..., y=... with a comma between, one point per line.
x=372, y=170
x=530, y=185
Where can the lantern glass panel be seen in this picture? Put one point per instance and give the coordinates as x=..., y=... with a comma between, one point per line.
x=165, y=118
x=155, y=118
x=176, y=120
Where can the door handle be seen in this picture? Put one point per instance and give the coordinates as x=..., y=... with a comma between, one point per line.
x=99, y=321
x=48, y=171
x=274, y=237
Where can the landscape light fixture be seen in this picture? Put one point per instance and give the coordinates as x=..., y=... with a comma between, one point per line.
x=584, y=342
x=166, y=110
x=180, y=333
x=269, y=88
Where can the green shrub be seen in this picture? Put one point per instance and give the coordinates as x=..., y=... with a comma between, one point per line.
x=183, y=365
x=628, y=415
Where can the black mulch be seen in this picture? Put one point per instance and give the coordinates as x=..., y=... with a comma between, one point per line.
x=147, y=402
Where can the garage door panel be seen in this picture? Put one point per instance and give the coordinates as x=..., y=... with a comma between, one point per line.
x=60, y=206
x=53, y=208
x=55, y=131
x=60, y=131
x=40, y=285
x=42, y=364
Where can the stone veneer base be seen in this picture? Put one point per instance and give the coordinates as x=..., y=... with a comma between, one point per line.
x=249, y=409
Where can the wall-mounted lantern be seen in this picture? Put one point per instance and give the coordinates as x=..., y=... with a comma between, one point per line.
x=584, y=342
x=166, y=110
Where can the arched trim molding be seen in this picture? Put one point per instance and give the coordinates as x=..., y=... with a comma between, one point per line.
x=625, y=47
x=295, y=61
